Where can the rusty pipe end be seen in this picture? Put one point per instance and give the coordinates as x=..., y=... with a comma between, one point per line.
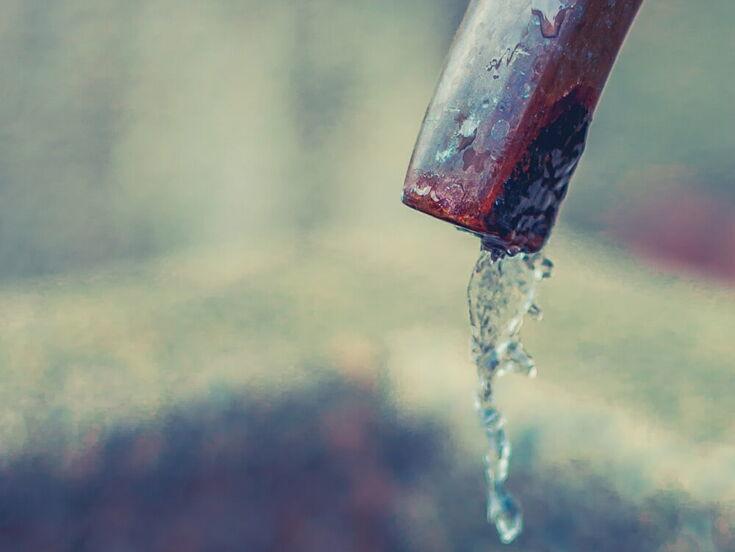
x=508, y=123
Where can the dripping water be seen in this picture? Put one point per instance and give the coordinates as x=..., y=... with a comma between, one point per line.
x=501, y=292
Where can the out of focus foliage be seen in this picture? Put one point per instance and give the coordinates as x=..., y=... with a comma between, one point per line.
x=327, y=468
x=132, y=127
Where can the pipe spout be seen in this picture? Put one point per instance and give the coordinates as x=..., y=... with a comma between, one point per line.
x=508, y=122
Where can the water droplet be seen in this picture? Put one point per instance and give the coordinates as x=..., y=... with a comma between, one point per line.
x=490, y=417
x=550, y=28
x=526, y=91
x=454, y=193
x=545, y=269
x=500, y=129
x=509, y=518
x=444, y=155
x=469, y=127
x=519, y=361
x=535, y=312
x=513, y=250
x=421, y=190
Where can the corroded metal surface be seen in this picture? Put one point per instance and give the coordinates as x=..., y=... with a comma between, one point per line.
x=509, y=119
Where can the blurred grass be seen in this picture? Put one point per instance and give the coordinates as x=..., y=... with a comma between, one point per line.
x=622, y=350
x=212, y=475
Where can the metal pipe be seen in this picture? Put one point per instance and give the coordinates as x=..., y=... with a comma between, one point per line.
x=508, y=122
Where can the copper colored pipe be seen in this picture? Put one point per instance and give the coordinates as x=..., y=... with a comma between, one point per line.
x=508, y=122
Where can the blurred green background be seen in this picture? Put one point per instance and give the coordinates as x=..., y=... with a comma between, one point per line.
x=204, y=196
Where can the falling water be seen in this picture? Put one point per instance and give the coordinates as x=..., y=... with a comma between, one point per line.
x=500, y=293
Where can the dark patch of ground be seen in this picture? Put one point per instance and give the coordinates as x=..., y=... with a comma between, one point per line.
x=332, y=468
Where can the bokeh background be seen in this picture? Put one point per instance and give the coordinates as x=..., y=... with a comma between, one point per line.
x=221, y=331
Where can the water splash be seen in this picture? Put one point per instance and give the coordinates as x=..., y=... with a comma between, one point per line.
x=500, y=293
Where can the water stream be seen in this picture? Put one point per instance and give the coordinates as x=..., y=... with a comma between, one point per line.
x=500, y=294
